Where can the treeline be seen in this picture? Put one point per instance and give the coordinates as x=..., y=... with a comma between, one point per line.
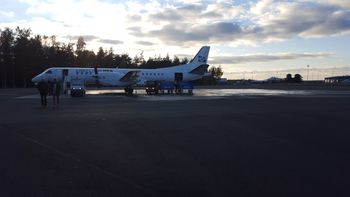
x=22, y=56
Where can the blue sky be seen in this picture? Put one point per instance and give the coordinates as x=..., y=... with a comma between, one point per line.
x=263, y=38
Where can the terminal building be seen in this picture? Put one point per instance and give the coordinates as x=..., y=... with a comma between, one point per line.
x=337, y=80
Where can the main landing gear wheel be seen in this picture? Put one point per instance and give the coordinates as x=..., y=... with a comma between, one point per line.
x=128, y=90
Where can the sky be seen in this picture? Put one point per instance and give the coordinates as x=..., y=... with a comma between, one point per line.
x=248, y=39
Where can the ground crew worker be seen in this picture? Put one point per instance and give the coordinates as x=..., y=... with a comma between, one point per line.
x=56, y=90
x=43, y=90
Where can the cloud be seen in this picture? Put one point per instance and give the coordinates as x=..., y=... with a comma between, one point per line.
x=136, y=31
x=336, y=23
x=190, y=8
x=196, y=13
x=110, y=41
x=261, y=7
x=340, y=3
x=87, y=38
x=187, y=23
x=283, y=20
x=178, y=14
x=218, y=31
x=170, y=15
x=180, y=23
x=212, y=14
x=145, y=43
x=266, y=57
x=9, y=14
x=86, y=17
x=133, y=17
x=266, y=21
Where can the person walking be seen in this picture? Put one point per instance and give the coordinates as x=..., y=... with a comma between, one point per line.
x=43, y=90
x=56, y=90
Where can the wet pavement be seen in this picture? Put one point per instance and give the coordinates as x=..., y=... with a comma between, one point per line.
x=220, y=93
x=205, y=94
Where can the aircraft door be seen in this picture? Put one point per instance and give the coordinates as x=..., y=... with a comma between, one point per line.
x=178, y=77
x=64, y=73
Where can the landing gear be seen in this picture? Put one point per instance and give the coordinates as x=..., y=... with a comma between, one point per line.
x=128, y=90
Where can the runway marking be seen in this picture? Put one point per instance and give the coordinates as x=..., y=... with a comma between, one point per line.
x=92, y=166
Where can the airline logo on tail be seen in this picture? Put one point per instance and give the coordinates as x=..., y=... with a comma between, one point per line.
x=202, y=59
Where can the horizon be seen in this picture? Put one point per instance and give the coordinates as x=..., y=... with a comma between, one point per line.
x=245, y=37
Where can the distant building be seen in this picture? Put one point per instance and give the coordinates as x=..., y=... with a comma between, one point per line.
x=338, y=79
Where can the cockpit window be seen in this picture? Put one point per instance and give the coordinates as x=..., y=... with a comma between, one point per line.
x=48, y=72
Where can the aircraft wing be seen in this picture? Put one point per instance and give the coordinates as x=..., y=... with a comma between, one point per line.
x=131, y=76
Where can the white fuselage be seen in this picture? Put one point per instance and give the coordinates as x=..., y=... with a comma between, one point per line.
x=112, y=76
x=125, y=76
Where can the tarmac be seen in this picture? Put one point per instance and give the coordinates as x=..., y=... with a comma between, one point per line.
x=217, y=142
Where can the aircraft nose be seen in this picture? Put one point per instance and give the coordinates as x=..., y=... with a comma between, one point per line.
x=35, y=79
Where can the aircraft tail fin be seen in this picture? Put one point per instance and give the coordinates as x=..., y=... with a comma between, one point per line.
x=202, y=56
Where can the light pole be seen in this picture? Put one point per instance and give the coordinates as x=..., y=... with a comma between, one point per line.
x=307, y=75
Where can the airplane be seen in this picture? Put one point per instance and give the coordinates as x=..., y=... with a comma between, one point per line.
x=125, y=77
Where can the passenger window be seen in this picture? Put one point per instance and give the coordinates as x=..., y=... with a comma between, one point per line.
x=49, y=72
